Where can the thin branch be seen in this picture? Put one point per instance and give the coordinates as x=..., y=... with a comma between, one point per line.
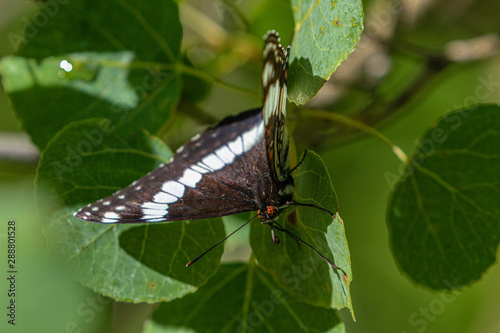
x=16, y=147
x=339, y=118
x=203, y=25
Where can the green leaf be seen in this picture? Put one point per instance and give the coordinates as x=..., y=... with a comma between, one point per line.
x=444, y=215
x=326, y=31
x=194, y=89
x=87, y=161
x=298, y=269
x=119, y=63
x=242, y=298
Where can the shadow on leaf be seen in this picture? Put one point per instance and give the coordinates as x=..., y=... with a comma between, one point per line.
x=166, y=248
x=303, y=85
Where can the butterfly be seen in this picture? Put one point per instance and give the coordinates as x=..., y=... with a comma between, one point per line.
x=240, y=165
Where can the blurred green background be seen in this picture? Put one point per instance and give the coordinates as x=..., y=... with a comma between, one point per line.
x=384, y=299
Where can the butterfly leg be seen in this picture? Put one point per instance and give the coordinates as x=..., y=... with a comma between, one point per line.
x=298, y=239
x=276, y=240
x=301, y=160
x=219, y=242
x=275, y=225
x=270, y=223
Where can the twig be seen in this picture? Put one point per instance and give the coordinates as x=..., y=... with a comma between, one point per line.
x=16, y=147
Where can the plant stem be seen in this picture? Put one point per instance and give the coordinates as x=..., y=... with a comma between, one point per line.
x=179, y=67
x=203, y=25
x=360, y=126
x=207, y=77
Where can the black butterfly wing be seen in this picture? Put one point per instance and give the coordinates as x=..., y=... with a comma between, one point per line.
x=274, y=81
x=212, y=175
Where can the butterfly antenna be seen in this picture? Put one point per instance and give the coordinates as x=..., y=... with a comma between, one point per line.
x=277, y=226
x=295, y=203
x=222, y=240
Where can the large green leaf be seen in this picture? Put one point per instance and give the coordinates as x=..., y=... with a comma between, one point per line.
x=326, y=31
x=118, y=60
x=444, y=215
x=242, y=298
x=87, y=161
x=297, y=268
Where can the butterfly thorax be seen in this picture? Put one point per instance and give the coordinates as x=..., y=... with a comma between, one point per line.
x=269, y=201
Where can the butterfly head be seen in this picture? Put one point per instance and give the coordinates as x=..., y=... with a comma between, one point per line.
x=269, y=213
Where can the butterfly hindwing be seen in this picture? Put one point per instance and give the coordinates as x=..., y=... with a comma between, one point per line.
x=274, y=81
x=211, y=175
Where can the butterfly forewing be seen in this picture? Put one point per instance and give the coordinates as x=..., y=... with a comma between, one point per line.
x=211, y=175
x=274, y=81
x=242, y=164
